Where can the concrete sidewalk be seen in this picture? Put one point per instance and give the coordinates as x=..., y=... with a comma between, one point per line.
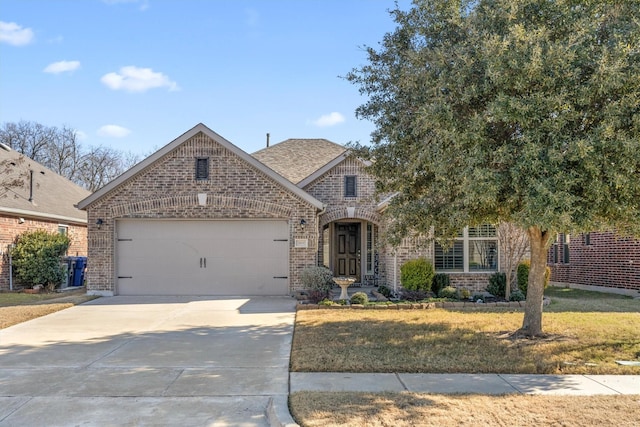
x=570, y=385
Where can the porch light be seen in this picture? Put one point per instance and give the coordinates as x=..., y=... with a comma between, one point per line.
x=99, y=223
x=302, y=224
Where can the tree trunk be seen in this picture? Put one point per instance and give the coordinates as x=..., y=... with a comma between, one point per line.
x=532, y=323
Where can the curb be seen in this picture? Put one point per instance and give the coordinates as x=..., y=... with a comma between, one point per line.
x=278, y=412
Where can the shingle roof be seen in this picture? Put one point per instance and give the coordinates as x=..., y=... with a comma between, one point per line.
x=53, y=196
x=296, y=159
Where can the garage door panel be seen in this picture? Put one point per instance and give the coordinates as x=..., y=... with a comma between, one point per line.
x=179, y=257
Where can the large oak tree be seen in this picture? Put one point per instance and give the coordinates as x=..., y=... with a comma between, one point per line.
x=525, y=111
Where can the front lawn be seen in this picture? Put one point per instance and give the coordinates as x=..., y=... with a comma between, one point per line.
x=586, y=333
x=581, y=338
x=18, y=307
x=311, y=409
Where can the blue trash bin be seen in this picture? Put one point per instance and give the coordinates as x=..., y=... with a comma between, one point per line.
x=78, y=271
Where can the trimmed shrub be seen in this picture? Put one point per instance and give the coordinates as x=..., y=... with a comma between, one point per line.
x=465, y=293
x=359, y=298
x=440, y=280
x=448, y=292
x=497, y=284
x=36, y=258
x=517, y=295
x=318, y=281
x=522, y=274
x=417, y=275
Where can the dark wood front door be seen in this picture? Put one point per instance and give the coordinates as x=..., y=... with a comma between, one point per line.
x=347, y=250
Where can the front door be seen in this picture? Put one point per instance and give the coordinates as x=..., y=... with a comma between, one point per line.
x=347, y=250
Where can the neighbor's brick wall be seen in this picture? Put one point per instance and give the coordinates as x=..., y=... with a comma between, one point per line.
x=608, y=261
x=168, y=189
x=10, y=228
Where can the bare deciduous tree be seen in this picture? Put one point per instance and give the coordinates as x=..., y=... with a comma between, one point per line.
x=59, y=150
x=10, y=178
x=514, y=244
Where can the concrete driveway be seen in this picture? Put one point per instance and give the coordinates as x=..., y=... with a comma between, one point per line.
x=149, y=361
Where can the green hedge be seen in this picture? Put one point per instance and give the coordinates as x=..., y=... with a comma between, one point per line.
x=417, y=275
x=36, y=258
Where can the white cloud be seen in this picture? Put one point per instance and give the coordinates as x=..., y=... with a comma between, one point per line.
x=134, y=79
x=113, y=131
x=327, y=120
x=61, y=67
x=13, y=34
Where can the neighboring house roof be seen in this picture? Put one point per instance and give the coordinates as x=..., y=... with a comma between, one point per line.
x=42, y=193
x=297, y=159
x=218, y=139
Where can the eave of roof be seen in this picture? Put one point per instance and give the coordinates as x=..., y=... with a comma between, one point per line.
x=43, y=194
x=218, y=139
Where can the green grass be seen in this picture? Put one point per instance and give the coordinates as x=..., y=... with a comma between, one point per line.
x=577, y=300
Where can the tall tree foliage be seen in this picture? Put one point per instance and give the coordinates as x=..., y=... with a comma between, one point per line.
x=526, y=111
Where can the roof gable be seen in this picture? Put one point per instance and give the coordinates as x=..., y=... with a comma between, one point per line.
x=296, y=159
x=140, y=167
x=43, y=193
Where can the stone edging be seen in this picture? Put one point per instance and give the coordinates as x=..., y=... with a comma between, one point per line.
x=414, y=306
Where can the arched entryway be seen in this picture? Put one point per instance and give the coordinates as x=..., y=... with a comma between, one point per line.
x=349, y=246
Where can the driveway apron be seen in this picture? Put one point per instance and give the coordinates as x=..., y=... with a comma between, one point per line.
x=188, y=361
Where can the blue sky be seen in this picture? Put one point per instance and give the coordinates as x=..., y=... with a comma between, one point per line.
x=135, y=74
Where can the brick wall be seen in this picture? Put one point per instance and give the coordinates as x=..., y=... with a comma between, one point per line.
x=412, y=248
x=10, y=227
x=168, y=189
x=599, y=260
x=329, y=189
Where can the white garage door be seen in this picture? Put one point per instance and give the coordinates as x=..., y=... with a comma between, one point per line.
x=173, y=257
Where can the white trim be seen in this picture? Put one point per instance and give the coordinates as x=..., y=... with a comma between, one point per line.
x=83, y=204
x=38, y=215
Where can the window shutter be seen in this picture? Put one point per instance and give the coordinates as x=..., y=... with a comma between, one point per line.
x=350, y=186
x=202, y=168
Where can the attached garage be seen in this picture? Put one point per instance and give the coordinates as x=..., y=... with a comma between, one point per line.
x=200, y=257
x=199, y=217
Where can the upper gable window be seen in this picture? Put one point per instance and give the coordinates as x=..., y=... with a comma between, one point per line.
x=350, y=186
x=202, y=168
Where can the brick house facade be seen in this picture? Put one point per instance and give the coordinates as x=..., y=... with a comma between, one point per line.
x=43, y=201
x=596, y=261
x=324, y=197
